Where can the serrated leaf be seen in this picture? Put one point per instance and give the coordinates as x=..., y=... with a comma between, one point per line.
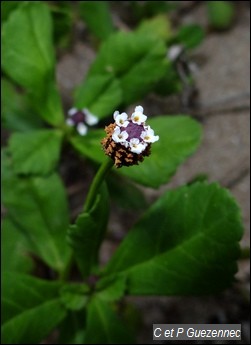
x=7, y=7
x=179, y=136
x=100, y=94
x=86, y=235
x=136, y=60
x=111, y=289
x=158, y=26
x=191, y=251
x=94, y=12
x=17, y=114
x=30, y=309
x=190, y=35
x=72, y=328
x=36, y=152
x=74, y=296
x=89, y=145
x=63, y=17
x=42, y=215
x=102, y=317
x=15, y=249
x=125, y=193
x=47, y=103
x=27, y=54
x=28, y=57
x=220, y=14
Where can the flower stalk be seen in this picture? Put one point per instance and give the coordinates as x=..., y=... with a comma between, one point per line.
x=127, y=142
x=96, y=183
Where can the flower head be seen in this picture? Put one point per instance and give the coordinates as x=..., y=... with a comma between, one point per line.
x=128, y=139
x=81, y=119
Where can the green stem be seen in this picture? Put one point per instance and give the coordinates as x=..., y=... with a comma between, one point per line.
x=96, y=183
x=91, y=196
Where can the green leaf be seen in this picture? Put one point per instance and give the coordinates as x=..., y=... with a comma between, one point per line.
x=72, y=328
x=17, y=114
x=47, y=103
x=7, y=7
x=27, y=51
x=125, y=193
x=102, y=317
x=74, y=296
x=191, y=251
x=14, y=255
x=89, y=145
x=42, y=216
x=158, y=26
x=94, y=12
x=111, y=289
x=62, y=16
x=86, y=235
x=179, y=137
x=101, y=94
x=36, y=152
x=127, y=57
x=220, y=14
x=30, y=308
x=190, y=35
x=28, y=57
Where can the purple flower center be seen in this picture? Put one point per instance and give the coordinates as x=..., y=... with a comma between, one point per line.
x=133, y=130
x=78, y=117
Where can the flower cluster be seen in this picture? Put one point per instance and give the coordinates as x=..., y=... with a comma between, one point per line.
x=81, y=119
x=129, y=139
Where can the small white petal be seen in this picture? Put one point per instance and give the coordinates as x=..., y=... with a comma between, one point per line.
x=148, y=136
x=125, y=143
x=72, y=111
x=138, y=118
x=134, y=141
x=155, y=138
x=121, y=120
x=118, y=136
x=90, y=119
x=115, y=114
x=82, y=129
x=139, y=109
x=136, y=146
x=70, y=122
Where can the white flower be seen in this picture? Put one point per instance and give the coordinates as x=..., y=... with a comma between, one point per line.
x=136, y=146
x=175, y=52
x=70, y=122
x=82, y=129
x=115, y=114
x=90, y=119
x=138, y=117
x=148, y=136
x=118, y=136
x=121, y=120
x=72, y=111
